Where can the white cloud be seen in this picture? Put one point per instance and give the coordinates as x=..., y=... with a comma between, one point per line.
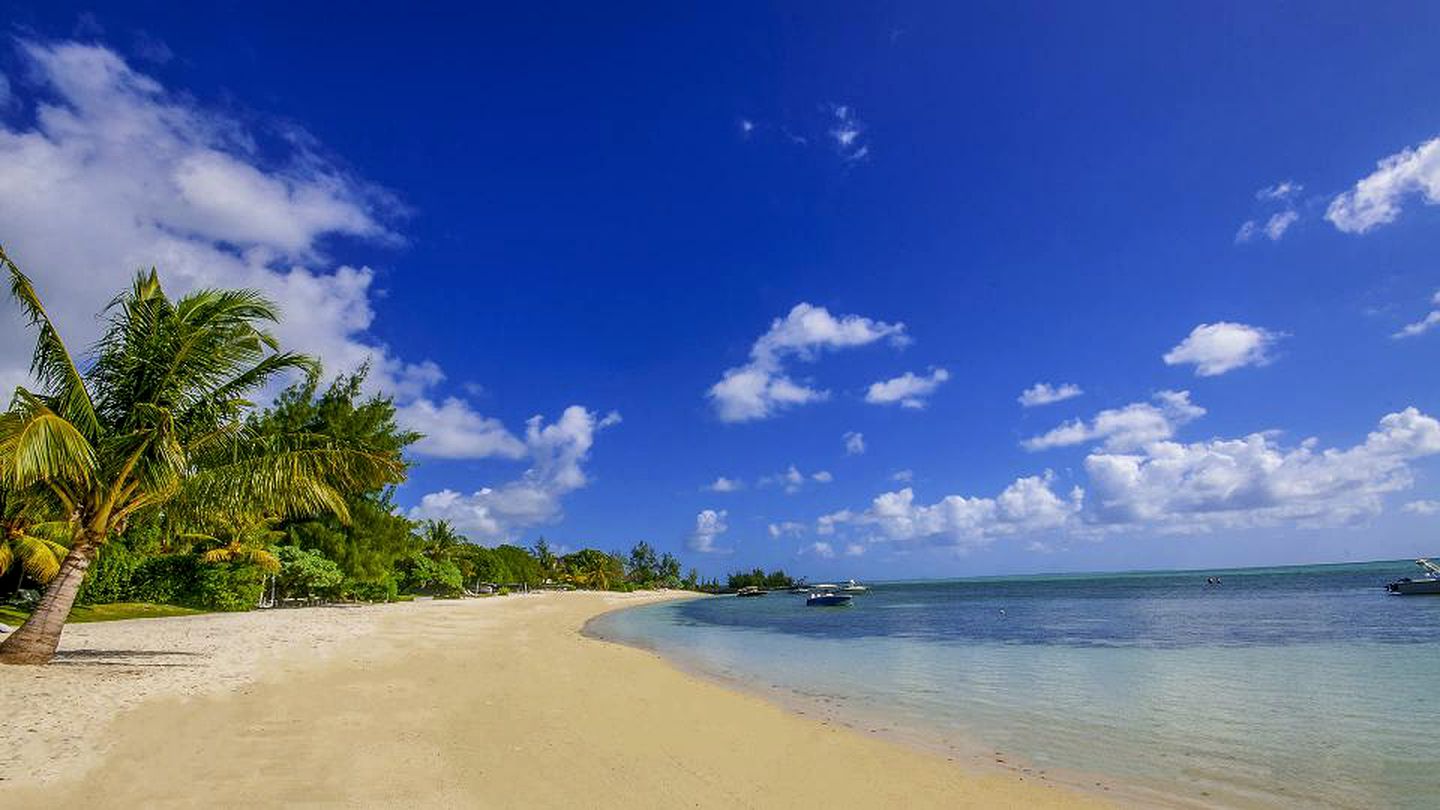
x=1252, y=481
x=907, y=389
x=1127, y=428
x=854, y=549
x=1275, y=226
x=113, y=172
x=903, y=476
x=1027, y=505
x=1422, y=507
x=761, y=389
x=792, y=480
x=819, y=548
x=1376, y=199
x=1425, y=324
x=453, y=430
x=746, y=127
x=1283, y=190
x=1045, y=394
x=723, y=484
x=786, y=528
x=854, y=443
x=1216, y=485
x=847, y=131
x=558, y=452
x=709, y=525
x=1215, y=348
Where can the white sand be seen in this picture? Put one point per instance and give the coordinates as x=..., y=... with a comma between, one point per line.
x=489, y=703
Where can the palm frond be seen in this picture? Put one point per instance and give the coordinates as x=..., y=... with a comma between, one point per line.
x=52, y=364
x=37, y=444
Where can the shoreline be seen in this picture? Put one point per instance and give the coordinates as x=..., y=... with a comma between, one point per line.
x=456, y=704
x=962, y=749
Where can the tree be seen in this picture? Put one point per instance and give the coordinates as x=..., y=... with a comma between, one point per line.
x=594, y=569
x=303, y=572
x=377, y=536
x=642, y=567
x=669, y=571
x=155, y=423
x=549, y=563
x=29, y=541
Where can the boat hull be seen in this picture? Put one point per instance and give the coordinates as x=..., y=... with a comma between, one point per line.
x=828, y=600
x=1415, y=586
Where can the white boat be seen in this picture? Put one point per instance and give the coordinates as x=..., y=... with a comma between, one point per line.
x=827, y=598
x=853, y=587
x=1427, y=583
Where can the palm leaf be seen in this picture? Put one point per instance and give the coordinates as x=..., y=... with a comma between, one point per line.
x=52, y=365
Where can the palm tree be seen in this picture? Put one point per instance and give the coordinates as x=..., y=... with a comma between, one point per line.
x=155, y=425
x=28, y=541
x=440, y=540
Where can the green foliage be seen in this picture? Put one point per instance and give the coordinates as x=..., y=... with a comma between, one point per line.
x=305, y=572
x=420, y=574
x=758, y=578
x=594, y=569
x=185, y=580
x=110, y=575
x=386, y=590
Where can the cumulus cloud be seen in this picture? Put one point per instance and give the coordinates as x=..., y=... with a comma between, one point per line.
x=1215, y=348
x=1046, y=394
x=819, y=548
x=723, y=484
x=903, y=476
x=1025, y=506
x=557, y=450
x=709, y=525
x=854, y=443
x=1127, y=428
x=1425, y=324
x=113, y=172
x=1170, y=487
x=908, y=389
x=453, y=430
x=1253, y=481
x=1377, y=198
x=761, y=388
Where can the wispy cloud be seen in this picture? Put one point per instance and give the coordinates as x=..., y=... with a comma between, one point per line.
x=1425, y=324
x=854, y=443
x=1046, y=394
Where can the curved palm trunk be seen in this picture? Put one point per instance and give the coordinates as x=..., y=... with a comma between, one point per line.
x=37, y=638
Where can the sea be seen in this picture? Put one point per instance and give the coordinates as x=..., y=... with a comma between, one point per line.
x=1303, y=686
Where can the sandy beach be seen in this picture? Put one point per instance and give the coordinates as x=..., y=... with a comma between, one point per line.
x=490, y=703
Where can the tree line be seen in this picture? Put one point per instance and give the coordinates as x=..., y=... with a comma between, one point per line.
x=147, y=475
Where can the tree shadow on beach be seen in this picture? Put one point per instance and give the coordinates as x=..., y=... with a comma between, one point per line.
x=127, y=658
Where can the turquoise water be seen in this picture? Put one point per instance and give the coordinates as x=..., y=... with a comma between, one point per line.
x=1303, y=686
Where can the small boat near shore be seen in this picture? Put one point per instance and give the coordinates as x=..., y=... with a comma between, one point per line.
x=1427, y=583
x=854, y=588
x=751, y=590
x=827, y=596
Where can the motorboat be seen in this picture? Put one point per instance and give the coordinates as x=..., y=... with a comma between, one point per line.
x=827, y=596
x=751, y=590
x=1428, y=582
x=854, y=588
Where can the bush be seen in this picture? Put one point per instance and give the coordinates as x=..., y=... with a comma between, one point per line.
x=383, y=591
x=111, y=575
x=183, y=579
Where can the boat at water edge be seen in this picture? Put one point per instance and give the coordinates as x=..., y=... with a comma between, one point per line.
x=1427, y=583
x=751, y=590
x=827, y=596
x=853, y=587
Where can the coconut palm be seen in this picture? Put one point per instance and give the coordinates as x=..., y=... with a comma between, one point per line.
x=155, y=425
x=29, y=542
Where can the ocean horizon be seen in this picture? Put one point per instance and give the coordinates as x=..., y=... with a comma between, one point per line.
x=1281, y=685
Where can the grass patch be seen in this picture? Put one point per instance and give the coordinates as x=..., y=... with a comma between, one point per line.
x=104, y=613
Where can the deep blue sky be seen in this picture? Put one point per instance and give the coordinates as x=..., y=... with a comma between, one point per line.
x=1051, y=192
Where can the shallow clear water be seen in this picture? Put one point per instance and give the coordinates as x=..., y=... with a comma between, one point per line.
x=1296, y=686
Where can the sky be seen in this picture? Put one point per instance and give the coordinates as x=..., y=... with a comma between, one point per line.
x=933, y=289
